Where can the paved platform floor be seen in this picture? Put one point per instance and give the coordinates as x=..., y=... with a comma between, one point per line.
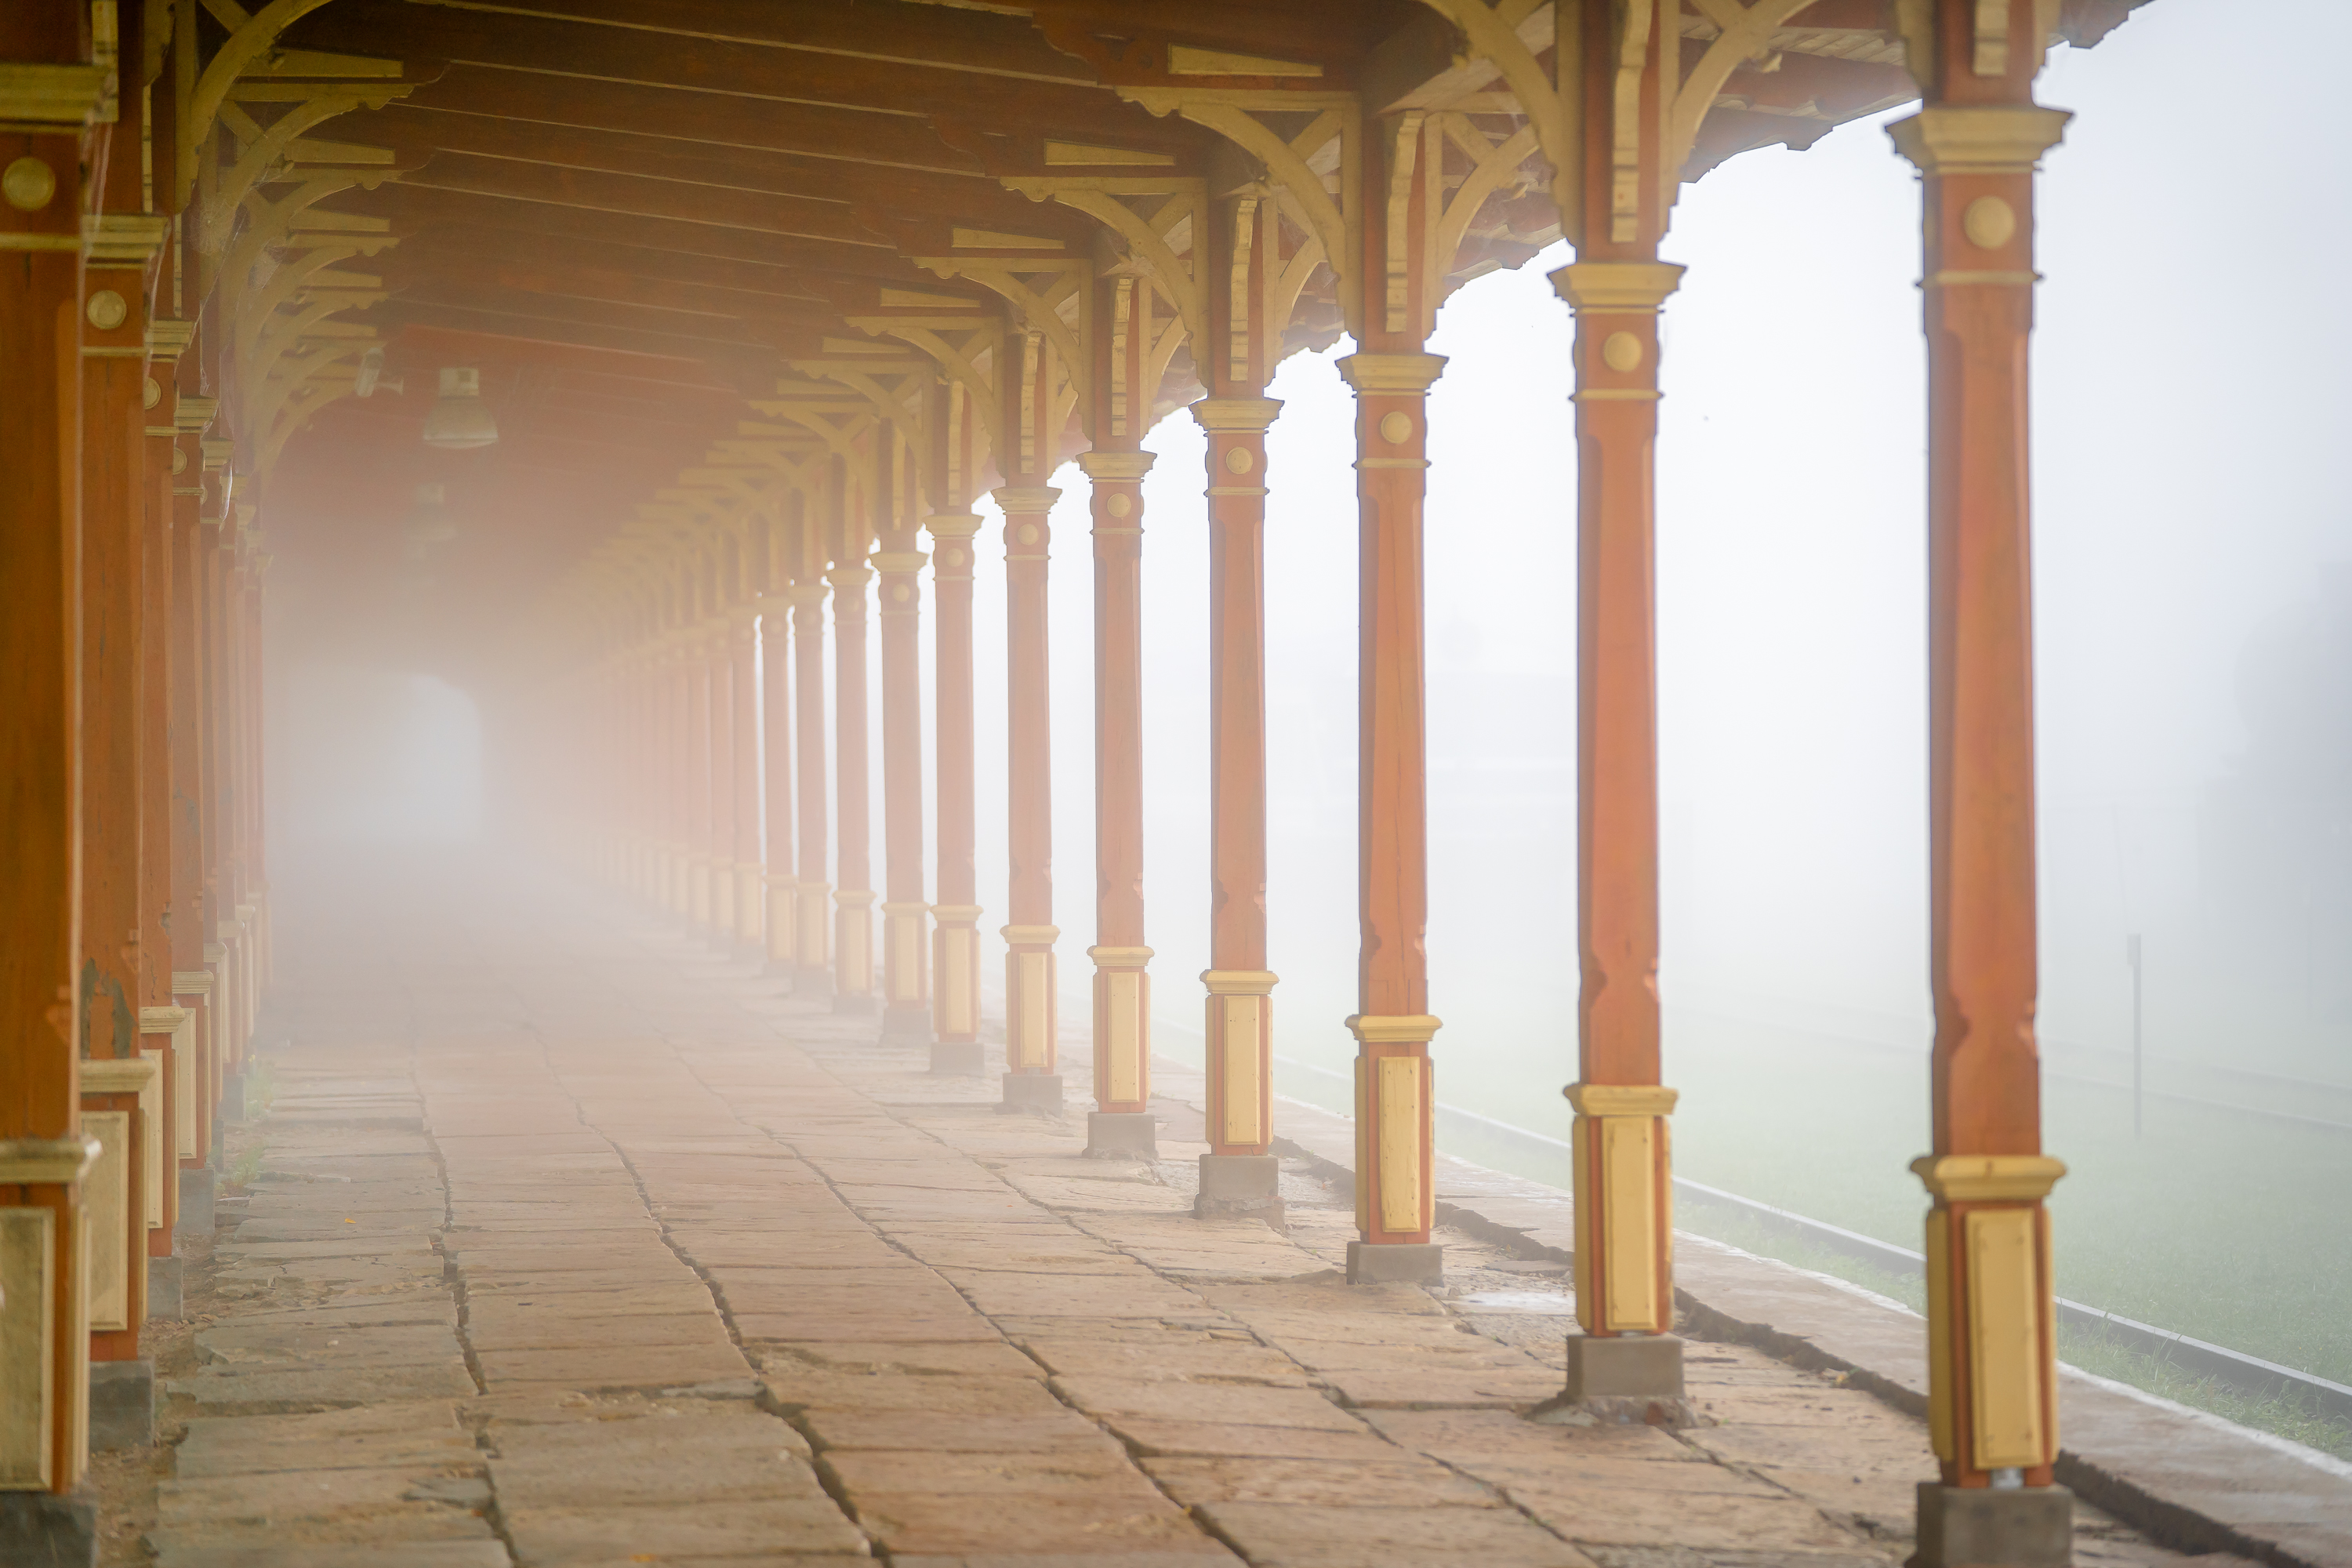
x=567, y=1242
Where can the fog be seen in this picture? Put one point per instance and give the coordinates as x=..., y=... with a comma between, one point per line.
x=2193, y=561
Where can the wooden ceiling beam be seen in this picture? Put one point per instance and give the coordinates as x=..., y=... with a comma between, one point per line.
x=590, y=190
x=435, y=271
x=745, y=366
x=412, y=207
x=420, y=134
x=880, y=89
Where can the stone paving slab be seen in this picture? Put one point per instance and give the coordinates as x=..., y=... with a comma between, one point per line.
x=724, y=1281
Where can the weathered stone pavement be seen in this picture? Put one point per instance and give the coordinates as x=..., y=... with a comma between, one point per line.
x=582, y=1248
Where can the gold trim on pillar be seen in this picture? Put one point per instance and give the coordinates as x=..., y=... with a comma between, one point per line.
x=1392, y=375
x=1979, y=139
x=29, y=1295
x=1623, y=1206
x=1029, y=1021
x=1617, y=287
x=1240, y=1009
x=45, y=1162
x=1115, y=468
x=1123, y=1020
x=1989, y=1178
x=1235, y=415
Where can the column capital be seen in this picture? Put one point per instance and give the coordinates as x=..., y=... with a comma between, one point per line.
x=849, y=577
x=1239, y=982
x=1396, y=1029
x=51, y=98
x=953, y=524
x=1978, y=137
x=123, y=239
x=59, y=1162
x=190, y=413
x=1989, y=1178
x=803, y=595
x=1031, y=936
x=1230, y=416
x=168, y=336
x=897, y=560
x=1408, y=375
x=1026, y=499
x=1115, y=468
x=1627, y=287
x=1621, y=1099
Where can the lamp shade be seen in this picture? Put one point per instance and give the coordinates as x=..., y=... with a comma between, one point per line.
x=459, y=418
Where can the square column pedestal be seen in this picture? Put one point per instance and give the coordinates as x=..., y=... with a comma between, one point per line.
x=42, y=1530
x=2013, y=1526
x=122, y=1406
x=1036, y=1093
x=1240, y=1186
x=1629, y=1380
x=1396, y=1263
x=959, y=1059
x=1122, y=1135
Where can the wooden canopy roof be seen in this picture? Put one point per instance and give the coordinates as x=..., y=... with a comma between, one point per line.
x=635, y=217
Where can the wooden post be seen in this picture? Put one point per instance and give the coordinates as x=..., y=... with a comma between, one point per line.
x=955, y=951
x=743, y=751
x=1120, y=1123
x=1238, y=1175
x=811, y=966
x=1396, y=1195
x=847, y=537
x=1031, y=981
x=48, y=94
x=1992, y=1374
x=906, y=913
x=700, y=666
x=1626, y=1364
x=776, y=760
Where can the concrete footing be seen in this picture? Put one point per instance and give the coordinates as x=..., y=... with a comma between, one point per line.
x=959, y=1059
x=42, y=1530
x=856, y=1006
x=196, y=1202
x=1122, y=1135
x=1396, y=1263
x=165, y=1293
x=1037, y=1093
x=1626, y=1380
x=811, y=984
x=232, y=1100
x=1240, y=1186
x=1994, y=1526
x=121, y=1405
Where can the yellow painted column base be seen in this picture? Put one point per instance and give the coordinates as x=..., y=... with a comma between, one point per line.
x=1992, y=1330
x=1624, y=1208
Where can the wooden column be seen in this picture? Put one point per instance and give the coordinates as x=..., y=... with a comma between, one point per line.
x=718, y=924
x=852, y=943
x=1992, y=1377
x=955, y=951
x=1239, y=1175
x=1025, y=453
x=47, y=95
x=812, y=967
x=776, y=778
x=1626, y=1364
x=119, y=1089
x=750, y=893
x=906, y=913
x=1121, y=1122
x=1395, y=1088
x=1030, y=1010
x=699, y=665
x=192, y=981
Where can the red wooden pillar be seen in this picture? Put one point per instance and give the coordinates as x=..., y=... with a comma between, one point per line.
x=1396, y=1193
x=780, y=904
x=955, y=949
x=698, y=665
x=718, y=642
x=853, y=946
x=1625, y=1363
x=749, y=893
x=1121, y=1122
x=1238, y=1175
x=1992, y=1377
x=47, y=98
x=1032, y=1012
x=118, y=1089
x=906, y=913
x=191, y=981
x=812, y=967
